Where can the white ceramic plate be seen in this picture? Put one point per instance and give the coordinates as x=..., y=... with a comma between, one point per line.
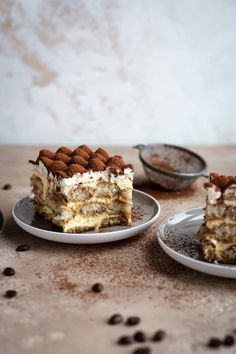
x=145, y=212
x=178, y=238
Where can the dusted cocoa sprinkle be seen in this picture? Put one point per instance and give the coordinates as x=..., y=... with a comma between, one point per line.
x=81, y=152
x=58, y=165
x=116, y=161
x=186, y=243
x=46, y=161
x=96, y=164
x=147, y=258
x=148, y=268
x=98, y=156
x=78, y=160
x=64, y=150
x=155, y=161
x=86, y=148
x=102, y=152
x=65, y=285
x=63, y=157
x=74, y=168
x=47, y=153
x=162, y=194
x=137, y=213
x=81, y=160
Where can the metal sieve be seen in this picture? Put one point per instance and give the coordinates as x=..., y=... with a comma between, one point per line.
x=187, y=165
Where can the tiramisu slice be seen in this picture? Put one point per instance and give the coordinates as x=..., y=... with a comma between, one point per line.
x=82, y=190
x=218, y=233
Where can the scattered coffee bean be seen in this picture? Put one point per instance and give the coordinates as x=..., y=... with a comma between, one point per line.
x=159, y=335
x=228, y=340
x=10, y=293
x=8, y=271
x=132, y=321
x=214, y=342
x=140, y=336
x=97, y=288
x=144, y=350
x=124, y=340
x=22, y=248
x=115, y=319
x=6, y=187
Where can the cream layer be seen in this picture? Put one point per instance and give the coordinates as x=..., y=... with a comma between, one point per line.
x=211, y=224
x=86, y=177
x=228, y=196
x=86, y=209
x=87, y=222
x=219, y=211
x=221, y=233
x=52, y=184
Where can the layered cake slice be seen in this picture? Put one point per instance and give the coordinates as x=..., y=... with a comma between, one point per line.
x=218, y=232
x=82, y=190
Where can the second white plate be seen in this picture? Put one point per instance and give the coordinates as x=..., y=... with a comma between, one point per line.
x=145, y=212
x=178, y=238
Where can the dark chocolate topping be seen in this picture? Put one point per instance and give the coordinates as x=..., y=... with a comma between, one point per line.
x=222, y=182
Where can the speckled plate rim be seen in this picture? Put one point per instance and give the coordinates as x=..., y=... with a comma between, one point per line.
x=93, y=237
x=219, y=270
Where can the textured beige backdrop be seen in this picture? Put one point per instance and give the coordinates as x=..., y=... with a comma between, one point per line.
x=117, y=71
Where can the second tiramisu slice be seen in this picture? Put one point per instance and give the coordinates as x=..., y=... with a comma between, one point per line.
x=218, y=232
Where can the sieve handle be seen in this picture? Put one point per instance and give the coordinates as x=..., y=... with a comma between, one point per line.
x=139, y=146
x=205, y=175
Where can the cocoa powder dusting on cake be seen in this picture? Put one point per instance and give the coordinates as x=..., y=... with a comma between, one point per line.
x=162, y=194
x=222, y=182
x=80, y=160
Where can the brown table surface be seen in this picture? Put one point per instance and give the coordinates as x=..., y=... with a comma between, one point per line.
x=55, y=310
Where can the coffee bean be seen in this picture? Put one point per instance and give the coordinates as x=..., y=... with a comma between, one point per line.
x=140, y=336
x=115, y=319
x=10, y=293
x=8, y=272
x=133, y=320
x=22, y=248
x=159, y=335
x=144, y=350
x=214, y=342
x=124, y=340
x=228, y=340
x=6, y=187
x=97, y=288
